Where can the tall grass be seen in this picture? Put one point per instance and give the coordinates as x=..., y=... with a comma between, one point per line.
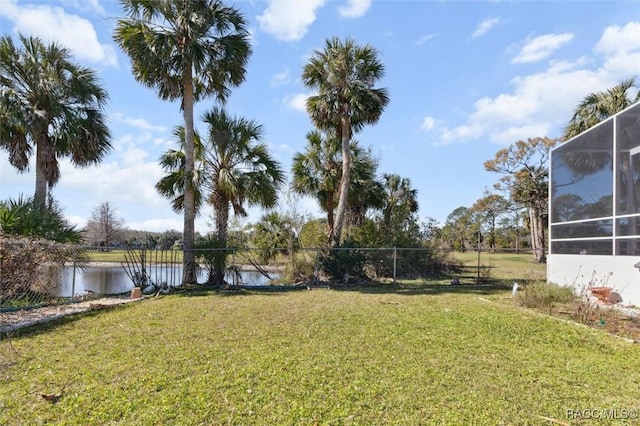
x=545, y=296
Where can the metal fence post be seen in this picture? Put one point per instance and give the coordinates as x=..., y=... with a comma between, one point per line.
x=73, y=279
x=394, y=265
x=478, y=279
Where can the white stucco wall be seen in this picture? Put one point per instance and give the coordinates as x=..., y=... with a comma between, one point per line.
x=617, y=272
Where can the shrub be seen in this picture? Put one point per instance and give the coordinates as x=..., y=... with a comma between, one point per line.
x=543, y=295
x=213, y=253
x=343, y=263
x=22, y=217
x=30, y=265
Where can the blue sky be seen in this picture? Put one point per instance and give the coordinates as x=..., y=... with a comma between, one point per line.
x=465, y=78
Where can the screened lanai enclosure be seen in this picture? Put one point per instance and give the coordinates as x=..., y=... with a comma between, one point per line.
x=594, y=208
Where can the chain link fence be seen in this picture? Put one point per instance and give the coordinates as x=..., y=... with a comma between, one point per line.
x=37, y=273
x=408, y=266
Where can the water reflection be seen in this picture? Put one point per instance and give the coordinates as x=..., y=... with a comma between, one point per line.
x=114, y=280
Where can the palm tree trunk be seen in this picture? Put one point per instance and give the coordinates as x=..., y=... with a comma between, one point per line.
x=189, y=259
x=330, y=216
x=45, y=161
x=345, y=180
x=40, y=194
x=221, y=214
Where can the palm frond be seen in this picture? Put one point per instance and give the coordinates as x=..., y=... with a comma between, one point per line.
x=52, y=105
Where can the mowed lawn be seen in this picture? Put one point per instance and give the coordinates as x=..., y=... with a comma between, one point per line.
x=432, y=355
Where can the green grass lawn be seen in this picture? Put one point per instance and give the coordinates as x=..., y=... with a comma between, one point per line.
x=117, y=256
x=432, y=355
x=499, y=268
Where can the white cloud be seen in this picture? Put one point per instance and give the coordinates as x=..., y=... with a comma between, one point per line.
x=621, y=47
x=134, y=156
x=287, y=21
x=539, y=104
x=424, y=38
x=280, y=78
x=616, y=39
x=541, y=47
x=138, y=123
x=86, y=5
x=79, y=221
x=120, y=182
x=164, y=143
x=484, y=27
x=159, y=225
x=461, y=133
x=129, y=185
x=297, y=102
x=512, y=134
x=354, y=8
x=54, y=24
x=428, y=123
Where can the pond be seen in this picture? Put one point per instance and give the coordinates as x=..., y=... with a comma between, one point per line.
x=114, y=280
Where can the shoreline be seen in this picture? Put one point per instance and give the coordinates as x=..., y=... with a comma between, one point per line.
x=103, y=264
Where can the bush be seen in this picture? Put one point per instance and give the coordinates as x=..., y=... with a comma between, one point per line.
x=343, y=264
x=22, y=217
x=213, y=253
x=30, y=265
x=542, y=295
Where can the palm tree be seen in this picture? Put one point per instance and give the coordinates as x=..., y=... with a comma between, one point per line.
x=401, y=201
x=599, y=106
x=366, y=191
x=186, y=50
x=317, y=173
x=51, y=105
x=239, y=168
x=343, y=75
x=171, y=185
x=233, y=168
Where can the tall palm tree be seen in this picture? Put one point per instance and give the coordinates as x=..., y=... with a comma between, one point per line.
x=233, y=168
x=317, y=172
x=599, y=106
x=186, y=50
x=51, y=105
x=343, y=76
x=238, y=168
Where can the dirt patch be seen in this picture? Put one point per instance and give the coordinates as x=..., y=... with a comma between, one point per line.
x=10, y=321
x=618, y=320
